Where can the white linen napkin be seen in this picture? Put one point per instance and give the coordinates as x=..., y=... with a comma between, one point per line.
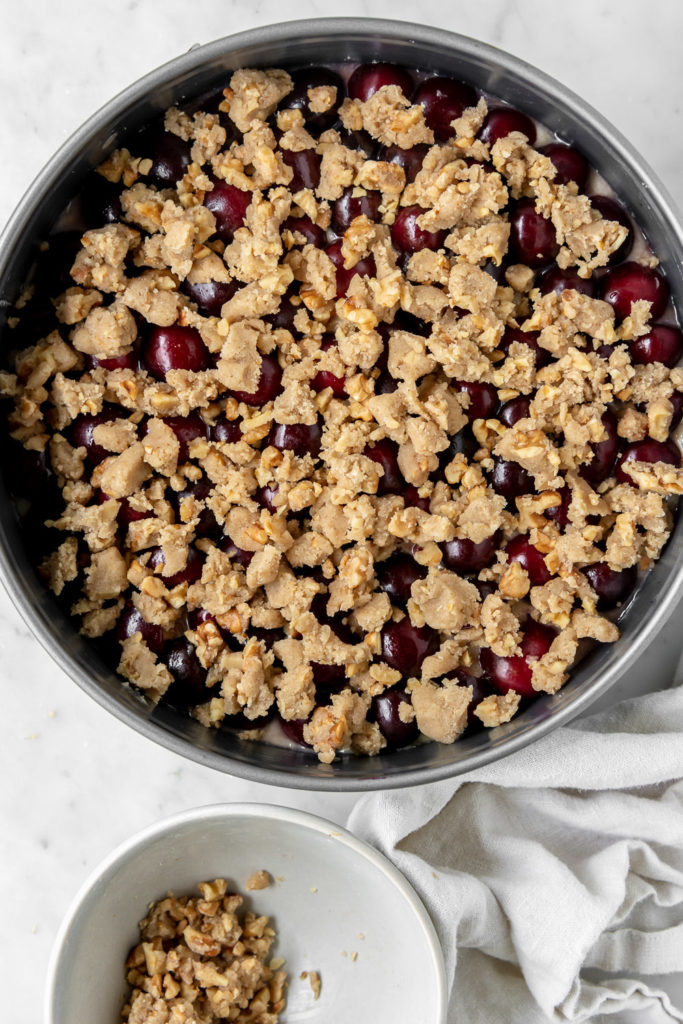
x=555, y=875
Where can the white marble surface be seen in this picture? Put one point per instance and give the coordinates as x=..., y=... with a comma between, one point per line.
x=75, y=781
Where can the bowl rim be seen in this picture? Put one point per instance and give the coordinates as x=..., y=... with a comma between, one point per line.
x=346, y=28
x=134, y=845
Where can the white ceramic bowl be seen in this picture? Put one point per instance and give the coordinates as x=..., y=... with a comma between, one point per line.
x=333, y=896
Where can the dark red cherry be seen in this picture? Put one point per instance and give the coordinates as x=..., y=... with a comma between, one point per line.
x=368, y=78
x=348, y=207
x=128, y=361
x=364, y=268
x=174, y=348
x=528, y=338
x=170, y=160
x=408, y=322
x=569, y=164
x=464, y=556
x=385, y=383
x=485, y=588
x=265, y=496
x=284, y=318
x=408, y=236
x=211, y=296
x=483, y=398
x=443, y=100
x=411, y=498
x=186, y=429
x=532, y=236
x=501, y=121
x=397, y=574
x=405, y=646
x=294, y=730
x=676, y=400
x=28, y=472
x=519, y=549
x=131, y=622
x=560, y=513
x=188, y=688
x=306, y=167
x=481, y=688
x=324, y=379
x=515, y=673
x=609, y=209
x=126, y=514
x=663, y=344
x=101, y=202
x=515, y=409
x=386, y=711
x=647, y=451
x=359, y=140
x=629, y=282
x=238, y=555
x=604, y=452
x=385, y=453
x=270, y=384
x=312, y=234
x=612, y=586
x=300, y=438
x=208, y=524
x=81, y=432
x=298, y=98
x=227, y=431
x=409, y=159
x=229, y=205
x=510, y=479
x=556, y=280
x=240, y=722
x=190, y=574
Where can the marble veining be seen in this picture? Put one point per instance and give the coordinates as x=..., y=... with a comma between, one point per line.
x=75, y=781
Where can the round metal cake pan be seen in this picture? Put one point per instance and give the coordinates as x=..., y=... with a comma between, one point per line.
x=289, y=45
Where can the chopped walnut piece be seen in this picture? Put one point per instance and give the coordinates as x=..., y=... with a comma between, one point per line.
x=497, y=709
x=259, y=880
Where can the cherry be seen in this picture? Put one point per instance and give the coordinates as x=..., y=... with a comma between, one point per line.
x=297, y=99
x=604, y=452
x=300, y=438
x=293, y=728
x=101, y=202
x=188, y=688
x=676, y=400
x=443, y=99
x=238, y=555
x=348, y=207
x=305, y=226
x=227, y=431
x=647, y=451
x=519, y=549
x=483, y=398
x=131, y=622
x=240, y=722
x=405, y=646
x=211, y=296
x=174, y=348
x=306, y=167
x=611, y=210
x=411, y=498
x=284, y=318
x=385, y=709
x=324, y=379
x=186, y=429
x=397, y=574
x=612, y=586
x=481, y=688
x=409, y=237
x=82, y=428
x=464, y=556
x=126, y=514
x=265, y=496
x=408, y=322
x=560, y=513
x=510, y=479
x=229, y=205
x=569, y=164
x=28, y=474
x=385, y=453
x=190, y=574
x=269, y=385
x=368, y=78
x=170, y=160
x=515, y=409
x=365, y=268
x=501, y=121
x=385, y=383
x=629, y=282
x=208, y=524
x=556, y=280
x=128, y=361
x=663, y=344
x=532, y=236
x=515, y=673
x=409, y=159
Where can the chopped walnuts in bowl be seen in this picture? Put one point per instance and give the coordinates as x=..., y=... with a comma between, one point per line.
x=354, y=409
